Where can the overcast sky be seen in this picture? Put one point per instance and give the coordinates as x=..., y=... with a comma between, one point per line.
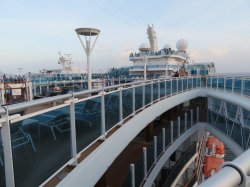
x=32, y=32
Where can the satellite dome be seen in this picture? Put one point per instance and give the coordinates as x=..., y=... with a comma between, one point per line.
x=181, y=45
x=144, y=47
x=166, y=46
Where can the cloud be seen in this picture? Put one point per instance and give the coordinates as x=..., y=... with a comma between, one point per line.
x=211, y=53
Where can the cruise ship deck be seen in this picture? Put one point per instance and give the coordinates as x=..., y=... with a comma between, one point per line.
x=146, y=133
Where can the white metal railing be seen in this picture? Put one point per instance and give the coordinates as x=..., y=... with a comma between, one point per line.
x=115, y=105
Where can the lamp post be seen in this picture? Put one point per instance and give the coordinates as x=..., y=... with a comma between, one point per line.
x=88, y=33
x=144, y=50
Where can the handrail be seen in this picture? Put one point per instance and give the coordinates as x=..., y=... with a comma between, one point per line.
x=233, y=173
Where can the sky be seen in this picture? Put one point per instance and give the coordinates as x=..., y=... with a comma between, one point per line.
x=33, y=32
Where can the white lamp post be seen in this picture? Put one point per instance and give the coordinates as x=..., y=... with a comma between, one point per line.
x=144, y=50
x=88, y=33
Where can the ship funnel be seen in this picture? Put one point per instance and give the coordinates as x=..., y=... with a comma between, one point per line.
x=152, y=38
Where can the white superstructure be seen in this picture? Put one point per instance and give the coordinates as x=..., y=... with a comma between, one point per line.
x=163, y=62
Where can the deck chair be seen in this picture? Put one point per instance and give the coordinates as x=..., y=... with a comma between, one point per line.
x=53, y=120
x=19, y=137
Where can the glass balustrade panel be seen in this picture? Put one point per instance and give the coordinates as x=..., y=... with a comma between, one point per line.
x=111, y=110
x=246, y=87
x=221, y=82
x=214, y=82
x=159, y=144
x=155, y=91
x=237, y=85
x=189, y=83
x=150, y=156
x=168, y=87
x=175, y=129
x=237, y=134
x=162, y=89
x=40, y=146
x=179, y=85
x=139, y=170
x=147, y=94
x=185, y=82
x=174, y=86
x=138, y=97
x=229, y=83
x=88, y=122
x=127, y=102
x=2, y=172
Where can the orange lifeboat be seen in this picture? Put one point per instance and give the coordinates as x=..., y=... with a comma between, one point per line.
x=211, y=165
x=215, y=147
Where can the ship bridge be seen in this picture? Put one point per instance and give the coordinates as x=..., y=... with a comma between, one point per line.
x=80, y=138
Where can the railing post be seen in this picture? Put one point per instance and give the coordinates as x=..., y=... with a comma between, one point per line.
x=185, y=121
x=133, y=99
x=120, y=106
x=172, y=132
x=179, y=126
x=143, y=95
x=103, y=130
x=163, y=139
x=192, y=82
x=242, y=86
x=187, y=83
x=7, y=151
x=182, y=84
x=145, y=162
x=192, y=122
x=155, y=149
x=217, y=83
x=177, y=84
x=165, y=88
x=73, y=130
x=132, y=172
x=233, y=82
x=159, y=90
x=225, y=81
x=171, y=87
x=197, y=114
x=152, y=92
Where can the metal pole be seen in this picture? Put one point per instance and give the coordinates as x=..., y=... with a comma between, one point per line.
x=217, y=82
x=73, y=130
x=177, y=84
x=145, y=162
x=185, y=121
x=192, y=82
x=242, y=86
x=132, y=171
x=163, y=139
x=152, y=92
x=120, y=106
x=7, y=151
x=89, y=72
x=182, y=84
x=172, y=132
x=225, y=81
x=133, y=99
x=159, y=90
x=171, y=85
x=145, y=67
x=155, y=149
x=179, y=126
x=191, y=117
x=165, y=88
x=197, y=115
x=143, y=95
x=103, y=115
x=233, y=84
